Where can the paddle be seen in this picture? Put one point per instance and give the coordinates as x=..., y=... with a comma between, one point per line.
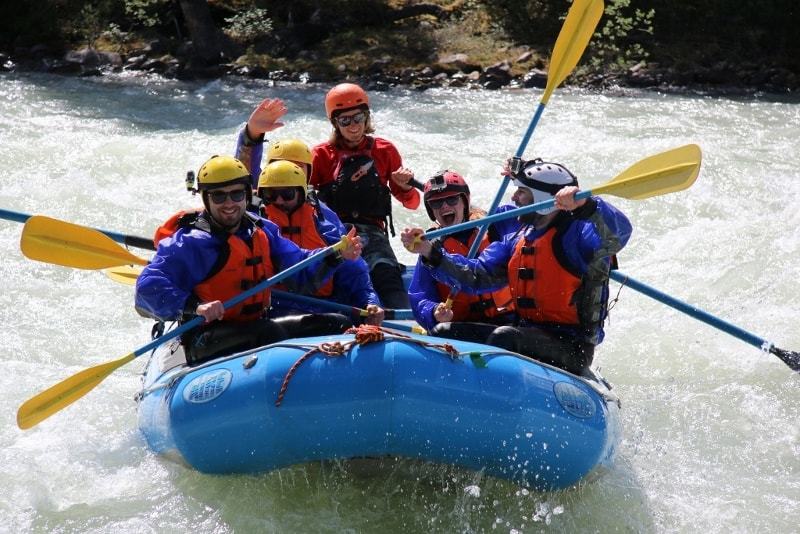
x=667, y=172
x=127, y=274
x=790, y=358
x=130, y=240
x=304, y=299
x=61, y=395
x=62, y=243
x=577, y=30
x=389, y=314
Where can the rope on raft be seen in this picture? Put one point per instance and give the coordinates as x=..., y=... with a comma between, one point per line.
x=364, y=334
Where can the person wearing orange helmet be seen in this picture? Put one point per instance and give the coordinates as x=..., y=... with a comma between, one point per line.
x=447, y=201
x=356, y=174
x=302, y=217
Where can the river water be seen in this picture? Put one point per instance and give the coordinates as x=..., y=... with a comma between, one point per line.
x=711, y=437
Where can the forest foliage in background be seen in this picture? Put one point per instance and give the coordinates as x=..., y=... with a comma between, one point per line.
x=662, y=31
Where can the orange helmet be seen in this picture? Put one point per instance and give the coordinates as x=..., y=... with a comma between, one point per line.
x=343, y=97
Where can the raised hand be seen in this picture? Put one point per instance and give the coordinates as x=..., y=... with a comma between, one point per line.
x=265, y=117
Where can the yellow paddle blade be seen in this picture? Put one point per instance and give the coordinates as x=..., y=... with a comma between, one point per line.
x=62, y=243
x=124, y=274
x=58, y=397
x=667, y=172
x=573, y=38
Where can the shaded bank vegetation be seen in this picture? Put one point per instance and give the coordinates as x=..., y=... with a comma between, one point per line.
x=742, y=43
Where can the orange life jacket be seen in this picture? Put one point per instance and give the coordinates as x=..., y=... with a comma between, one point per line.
x=542, y=288
x=240, y=267
x=180, y=219
x=474, y=307
x=301, y=228
x=245, y=267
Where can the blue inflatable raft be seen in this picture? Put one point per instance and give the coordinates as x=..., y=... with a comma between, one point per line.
x=476, y=407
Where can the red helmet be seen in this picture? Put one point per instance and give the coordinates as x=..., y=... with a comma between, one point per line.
x=446, y=184
x=343, y=97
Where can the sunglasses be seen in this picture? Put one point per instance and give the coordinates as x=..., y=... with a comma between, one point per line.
x=439, y=202
x=271, y=194
x=358, y=118
x=219, y=197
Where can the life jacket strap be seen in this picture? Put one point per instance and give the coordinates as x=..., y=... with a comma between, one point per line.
x=526, y=302
x=526, y=273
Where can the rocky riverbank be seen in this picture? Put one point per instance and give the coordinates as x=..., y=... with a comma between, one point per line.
x=526, y=69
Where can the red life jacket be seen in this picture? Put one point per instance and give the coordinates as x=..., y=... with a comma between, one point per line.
x=301, y=228
x=474, y=307
x=542, y=288
x=239, y=267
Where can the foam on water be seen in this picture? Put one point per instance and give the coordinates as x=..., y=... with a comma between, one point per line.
x=711, y=441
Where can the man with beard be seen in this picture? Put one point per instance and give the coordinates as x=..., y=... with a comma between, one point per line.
x=210, y=256
x=556, y=268
x=447, y=201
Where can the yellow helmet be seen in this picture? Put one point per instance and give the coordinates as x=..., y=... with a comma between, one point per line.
x=220, y=171
x=289, y=149
x=282, y=174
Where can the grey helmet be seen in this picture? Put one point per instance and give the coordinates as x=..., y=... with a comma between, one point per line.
x=544, y=180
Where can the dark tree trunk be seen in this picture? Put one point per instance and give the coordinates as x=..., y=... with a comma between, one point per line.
x=210, y=44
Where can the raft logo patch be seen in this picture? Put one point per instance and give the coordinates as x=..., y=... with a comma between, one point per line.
x=574, y=400
x=207, y=387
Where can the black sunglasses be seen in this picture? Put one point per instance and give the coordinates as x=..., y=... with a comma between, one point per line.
x=219, y=197
x=358, y=118
x=271, y=194
x=439, y=202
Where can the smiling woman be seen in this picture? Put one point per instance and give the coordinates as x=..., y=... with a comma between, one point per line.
x=356, y=175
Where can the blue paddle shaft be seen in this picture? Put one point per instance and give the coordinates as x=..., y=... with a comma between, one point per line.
x=499, y=217
x=473, y=250
x=130, y=240
x=271, y=281
x=692, y=311
x=344, y=308
x=303, y=299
